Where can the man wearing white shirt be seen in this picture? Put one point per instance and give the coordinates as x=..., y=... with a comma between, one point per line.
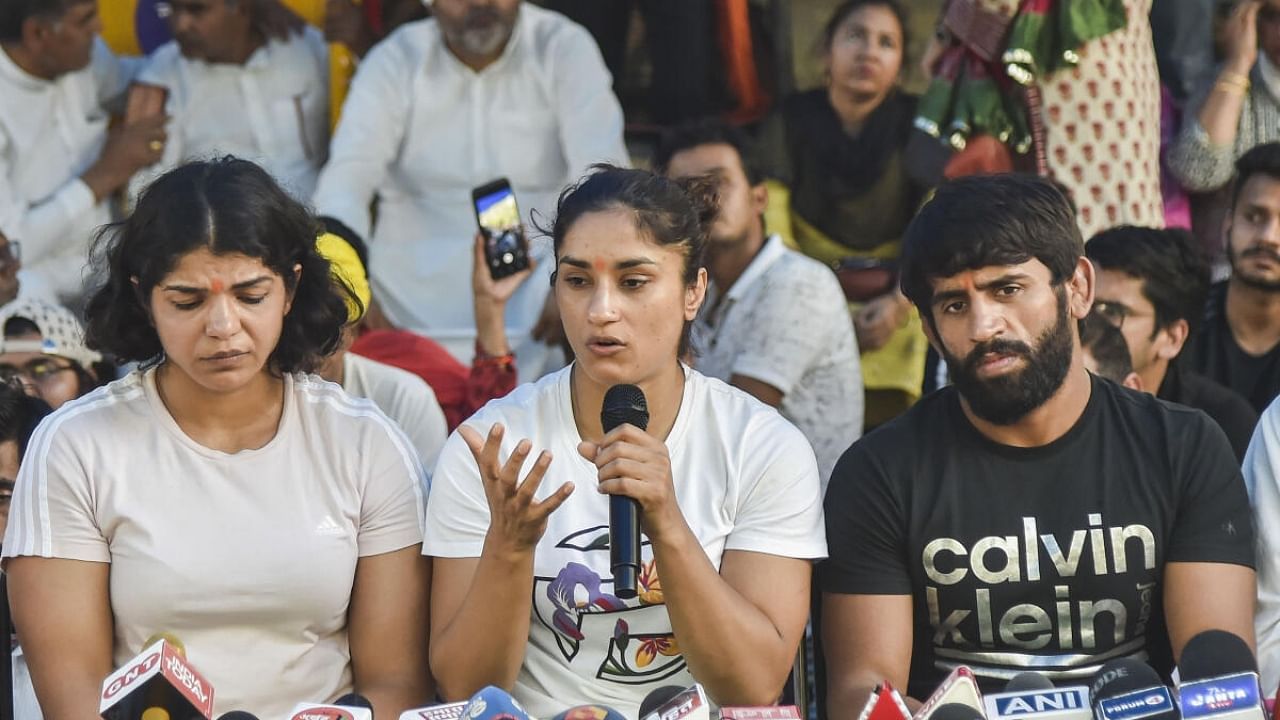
x=245, y=78
x=485, y=88
x=58, y=162
x=775, y=322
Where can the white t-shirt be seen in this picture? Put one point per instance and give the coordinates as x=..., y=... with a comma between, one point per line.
x=745, y=479
x=249, y=558
x=785, y=322
x=404, y=397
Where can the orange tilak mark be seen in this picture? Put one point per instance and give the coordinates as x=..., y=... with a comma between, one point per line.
x=217, y=286
x=598, y=264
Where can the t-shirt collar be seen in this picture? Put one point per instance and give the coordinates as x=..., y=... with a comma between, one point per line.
x=772, y=250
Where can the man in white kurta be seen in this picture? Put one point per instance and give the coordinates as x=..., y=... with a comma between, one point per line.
x=58, y=165
x=420, y=129
x=273, y=108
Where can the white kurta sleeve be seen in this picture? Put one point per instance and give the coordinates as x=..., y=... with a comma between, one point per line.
x=368, y=136
x=589, y=114
x=43, y=227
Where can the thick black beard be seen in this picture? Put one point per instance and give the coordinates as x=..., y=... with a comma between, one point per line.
x=1007, y=399
x=1246, y=280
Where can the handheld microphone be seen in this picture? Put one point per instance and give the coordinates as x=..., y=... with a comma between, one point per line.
x=351, y=706
x=624, y=405
x=1031, y=695
x=444, y=711
x=960, y=687
x=1219, y=679
x=237, y=715
x=493, y=703
x=1125, y=689
x=590, y=712
x=156, y=684
x=688, y=704
x=885, y=703
x=658, y=697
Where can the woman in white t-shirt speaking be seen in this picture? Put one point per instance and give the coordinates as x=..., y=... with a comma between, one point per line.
x=522, y=592
x=268, y=520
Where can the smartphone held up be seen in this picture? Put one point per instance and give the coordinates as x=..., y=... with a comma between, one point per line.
x=506, y=250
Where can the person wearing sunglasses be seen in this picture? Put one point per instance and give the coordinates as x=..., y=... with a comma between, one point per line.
x=43, y=347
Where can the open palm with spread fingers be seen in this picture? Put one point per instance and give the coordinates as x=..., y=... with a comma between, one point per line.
x=517, y=520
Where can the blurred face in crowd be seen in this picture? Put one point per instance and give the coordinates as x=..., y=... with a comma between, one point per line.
x=1269, y=30
x=741, y=203
x=66, y=42
x=10, y=264
x=865, y=54
x=208, y=30
x=1008, y=335
x=623, y=298
x=1121, y=302
x=9, y=459
x=51, y=378
x=478, y=28
x=1253, y=236
x=219, y=318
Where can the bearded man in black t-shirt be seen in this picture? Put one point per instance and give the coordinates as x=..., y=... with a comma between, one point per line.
x=1031, y=516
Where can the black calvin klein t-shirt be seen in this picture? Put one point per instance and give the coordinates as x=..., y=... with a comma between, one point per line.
x=1048, y=558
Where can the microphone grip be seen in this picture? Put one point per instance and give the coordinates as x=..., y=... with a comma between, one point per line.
x=624, y=545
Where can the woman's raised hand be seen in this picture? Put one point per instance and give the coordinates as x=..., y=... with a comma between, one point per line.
x=516, y=519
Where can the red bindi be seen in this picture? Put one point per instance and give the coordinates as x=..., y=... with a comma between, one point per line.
x=598, y=264
x=216, y=285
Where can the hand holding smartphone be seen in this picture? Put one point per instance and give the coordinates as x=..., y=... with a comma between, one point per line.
x=506, y=250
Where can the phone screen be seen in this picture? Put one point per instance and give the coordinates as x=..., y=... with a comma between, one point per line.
x=499, y=217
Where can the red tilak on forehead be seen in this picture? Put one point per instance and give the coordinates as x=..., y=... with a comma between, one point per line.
x=216, y=285
x=598, y=264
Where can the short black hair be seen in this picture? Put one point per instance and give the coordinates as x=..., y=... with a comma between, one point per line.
x=20, y=413
x=987, y=220
x=229, y=206
x=708, y=131
x=14, y=13
x=1170, y=263
x=1261, y=159
x=1106, y=344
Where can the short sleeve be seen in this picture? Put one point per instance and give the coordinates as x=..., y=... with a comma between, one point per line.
x=52, y=511
x=393, y=507
x=780, y=512
x=1213, y=522
x=804, y=317
x=866, y=529
x=457, y=511
x=1261, y=463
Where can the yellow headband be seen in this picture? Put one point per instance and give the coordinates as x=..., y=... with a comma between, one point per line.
x=346, y=268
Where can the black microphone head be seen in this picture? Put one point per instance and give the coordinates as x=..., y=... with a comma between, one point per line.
x=1120, y=676
x=354, y=700
x=1214, y=653
x=624, y=405
x=1028, y=682
x=590, y=712
x=956, y=711
x=659, y=696
x=237, y=715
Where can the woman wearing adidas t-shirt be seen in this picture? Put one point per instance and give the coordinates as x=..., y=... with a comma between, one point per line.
x=517, y=521
x=265, y=518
